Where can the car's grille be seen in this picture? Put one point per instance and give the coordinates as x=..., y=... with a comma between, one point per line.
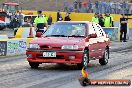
x=45, y=47
x=57, y=57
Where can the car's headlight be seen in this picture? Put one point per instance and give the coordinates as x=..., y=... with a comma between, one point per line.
x=69, y=47
x=34, y=46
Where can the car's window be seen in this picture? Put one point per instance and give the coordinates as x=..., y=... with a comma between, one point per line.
x=91, y=29
x=66, y=30
x=98, y=30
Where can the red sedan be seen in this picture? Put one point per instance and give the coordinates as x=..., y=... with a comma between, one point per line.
x=70, y=42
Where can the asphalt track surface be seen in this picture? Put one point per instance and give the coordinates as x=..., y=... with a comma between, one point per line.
x=15, y=72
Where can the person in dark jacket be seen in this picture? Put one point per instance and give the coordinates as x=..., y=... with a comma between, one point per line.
x=101, y=20
x=59, y=17
x=49, y=20
x=123, y=28
x=67, y=18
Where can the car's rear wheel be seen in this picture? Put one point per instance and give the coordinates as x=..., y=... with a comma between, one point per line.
x=85, y=60
x=34, y=65
x=2, y=28
x=105, y=58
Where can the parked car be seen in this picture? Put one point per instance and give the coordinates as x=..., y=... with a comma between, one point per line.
x=2, y=25
x=70, y=42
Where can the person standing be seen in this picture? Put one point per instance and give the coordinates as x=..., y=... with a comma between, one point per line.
x=67, y=17
x=20, y=18
x=101, y=20
x=49, y=20
x=108, y=20
x=59, y=17
x=97, y=6
x=95, y=18
x=40, y=22
x=123, y=28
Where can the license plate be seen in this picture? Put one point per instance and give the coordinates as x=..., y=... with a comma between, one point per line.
x=49, y=54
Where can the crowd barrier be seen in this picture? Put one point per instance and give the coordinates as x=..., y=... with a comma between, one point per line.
x=113, y=33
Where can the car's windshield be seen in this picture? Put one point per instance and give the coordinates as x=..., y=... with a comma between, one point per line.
x=66, y=30
x=10, y=9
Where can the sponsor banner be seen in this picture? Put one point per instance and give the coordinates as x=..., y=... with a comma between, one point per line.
x=16, y=47
x=3, y=48
x=113, y=33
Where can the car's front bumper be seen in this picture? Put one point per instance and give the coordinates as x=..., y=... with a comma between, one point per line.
x=62, y=56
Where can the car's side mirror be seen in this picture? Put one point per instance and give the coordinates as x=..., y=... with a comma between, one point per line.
x=38, y=34
x=92, y=36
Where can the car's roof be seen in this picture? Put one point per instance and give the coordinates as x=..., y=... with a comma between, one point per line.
x=73, y=22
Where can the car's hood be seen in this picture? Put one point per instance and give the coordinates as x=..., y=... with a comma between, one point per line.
x=58, y=41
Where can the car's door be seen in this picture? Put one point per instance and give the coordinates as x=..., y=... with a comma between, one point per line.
x=101, y=36
x=93, y=45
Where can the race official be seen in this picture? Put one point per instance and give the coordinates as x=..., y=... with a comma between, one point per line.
x=95, y=18
x=123, y=28
x=40, y=22
x=108, y=20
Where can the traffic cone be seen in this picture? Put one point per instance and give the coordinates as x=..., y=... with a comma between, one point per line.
x=84, y=73
x=30, y=33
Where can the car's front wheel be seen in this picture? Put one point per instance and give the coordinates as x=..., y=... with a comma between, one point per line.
x=104, y=60
x=34, y=65
x=85, y=60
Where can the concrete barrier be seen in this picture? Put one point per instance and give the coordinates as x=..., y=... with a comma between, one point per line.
x=15, y=46
x=23, y=32
x=3, y=37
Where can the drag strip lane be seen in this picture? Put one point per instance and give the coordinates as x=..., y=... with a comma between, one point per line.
x=17, y=73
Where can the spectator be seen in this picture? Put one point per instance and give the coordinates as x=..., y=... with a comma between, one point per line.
x=101, y=20
x=75, y=4
x=104, y=6
x=118, y=8
x=89, y=6
x=95, y=18
x=15, y=21
x=66, y=6
x=97, y=6
x=123, y=28
x=108, y=8
x=127, y=7
x=67, y=18
x=93, y=8
x=20, y=18
x=59, y=17
x=124, y=6
x=71, y=9
x=113, y=8
x=49, y=20
x=100, y=7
